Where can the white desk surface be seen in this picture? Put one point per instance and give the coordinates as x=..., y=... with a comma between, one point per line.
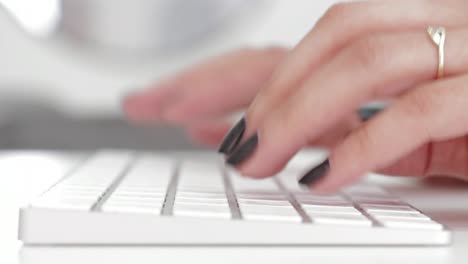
x=21, y=181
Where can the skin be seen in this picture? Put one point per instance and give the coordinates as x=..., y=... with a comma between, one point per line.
x=357, y=52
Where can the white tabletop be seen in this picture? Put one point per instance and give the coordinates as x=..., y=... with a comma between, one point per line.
x=22, y=180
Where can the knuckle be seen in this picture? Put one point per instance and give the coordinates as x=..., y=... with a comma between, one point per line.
x=418, y=104
x=337, y=11
x=369, y=53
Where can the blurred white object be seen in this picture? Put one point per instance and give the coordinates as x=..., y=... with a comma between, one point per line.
x=38, y=17
x=83, y=83
x=142, y=25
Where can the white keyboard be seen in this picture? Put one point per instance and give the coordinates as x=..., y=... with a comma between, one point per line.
x=126, y=198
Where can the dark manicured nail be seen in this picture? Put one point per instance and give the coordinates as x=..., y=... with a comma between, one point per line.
x=243, y=151
x=232, y=139
x=366, y=113
x=315, y=174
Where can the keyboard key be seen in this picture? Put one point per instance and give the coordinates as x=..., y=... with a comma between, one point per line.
x=270, y=213
x=289, y=178
x=387, y=208
x=153, y=209
x=72, y=203
x=273, y=196
x=399, y=214
x=123, y=189
x=136, y=200
x=326, y=203
x=199, y=200
x=200, y=194
x=84, y=188
x=330, y=209
x=242, y=184
x=263, y=202
x=149, y=173
x=142, y=195
x=209, y=211
x=412, y=224
x=340, y=219
x=200, y=175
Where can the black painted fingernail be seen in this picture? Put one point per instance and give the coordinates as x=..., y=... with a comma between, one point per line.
x=232, y=138
x=315, y=174
x=243, y=151
x=366, y=113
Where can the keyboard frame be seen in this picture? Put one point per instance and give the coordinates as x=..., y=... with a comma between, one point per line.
x=69, y=227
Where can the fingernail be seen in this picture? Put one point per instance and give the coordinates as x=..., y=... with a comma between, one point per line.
x=232, y=139
x=366, y=113
x=315, y=174
x=243, y=151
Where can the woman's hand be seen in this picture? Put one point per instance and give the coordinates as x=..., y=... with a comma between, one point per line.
x=200, y=98
x=357, y=52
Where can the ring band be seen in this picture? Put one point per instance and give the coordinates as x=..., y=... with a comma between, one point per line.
x=438, y=37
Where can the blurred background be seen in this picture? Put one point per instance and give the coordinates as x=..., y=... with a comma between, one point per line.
x=66, y=64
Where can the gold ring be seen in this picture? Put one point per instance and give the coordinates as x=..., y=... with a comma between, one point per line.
x=438, y=37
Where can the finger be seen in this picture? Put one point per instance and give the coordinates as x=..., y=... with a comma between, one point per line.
x=208, y=133
x=219, y=86
x=430, y=113
x=337, y=133
x=447, y=157
x=342, y=24
x=358, y=74
x=212, y=132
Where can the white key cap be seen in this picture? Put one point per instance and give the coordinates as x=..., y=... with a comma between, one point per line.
x=274, y=196
x=140, y=190
x=131, y=208
x=200, y=175
x=200, y=194
x=330, y=209
x=149, y=173
x=270, y=213
x=412, y=224
x=76, y=204
x=69, y=195
x=387, y=208
x=201, y=181
x=137, y=195
x=262, y=200
x=209, y=211
x=312, y=197
x=376, y=200
x=248, y=201
x=289, y=179
x=243, y=184
x=198, y=200
x=340, y=219
x=143, y=186
x=100, y=170
x=83, y=188
x=150, y=200
x=399, y=215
